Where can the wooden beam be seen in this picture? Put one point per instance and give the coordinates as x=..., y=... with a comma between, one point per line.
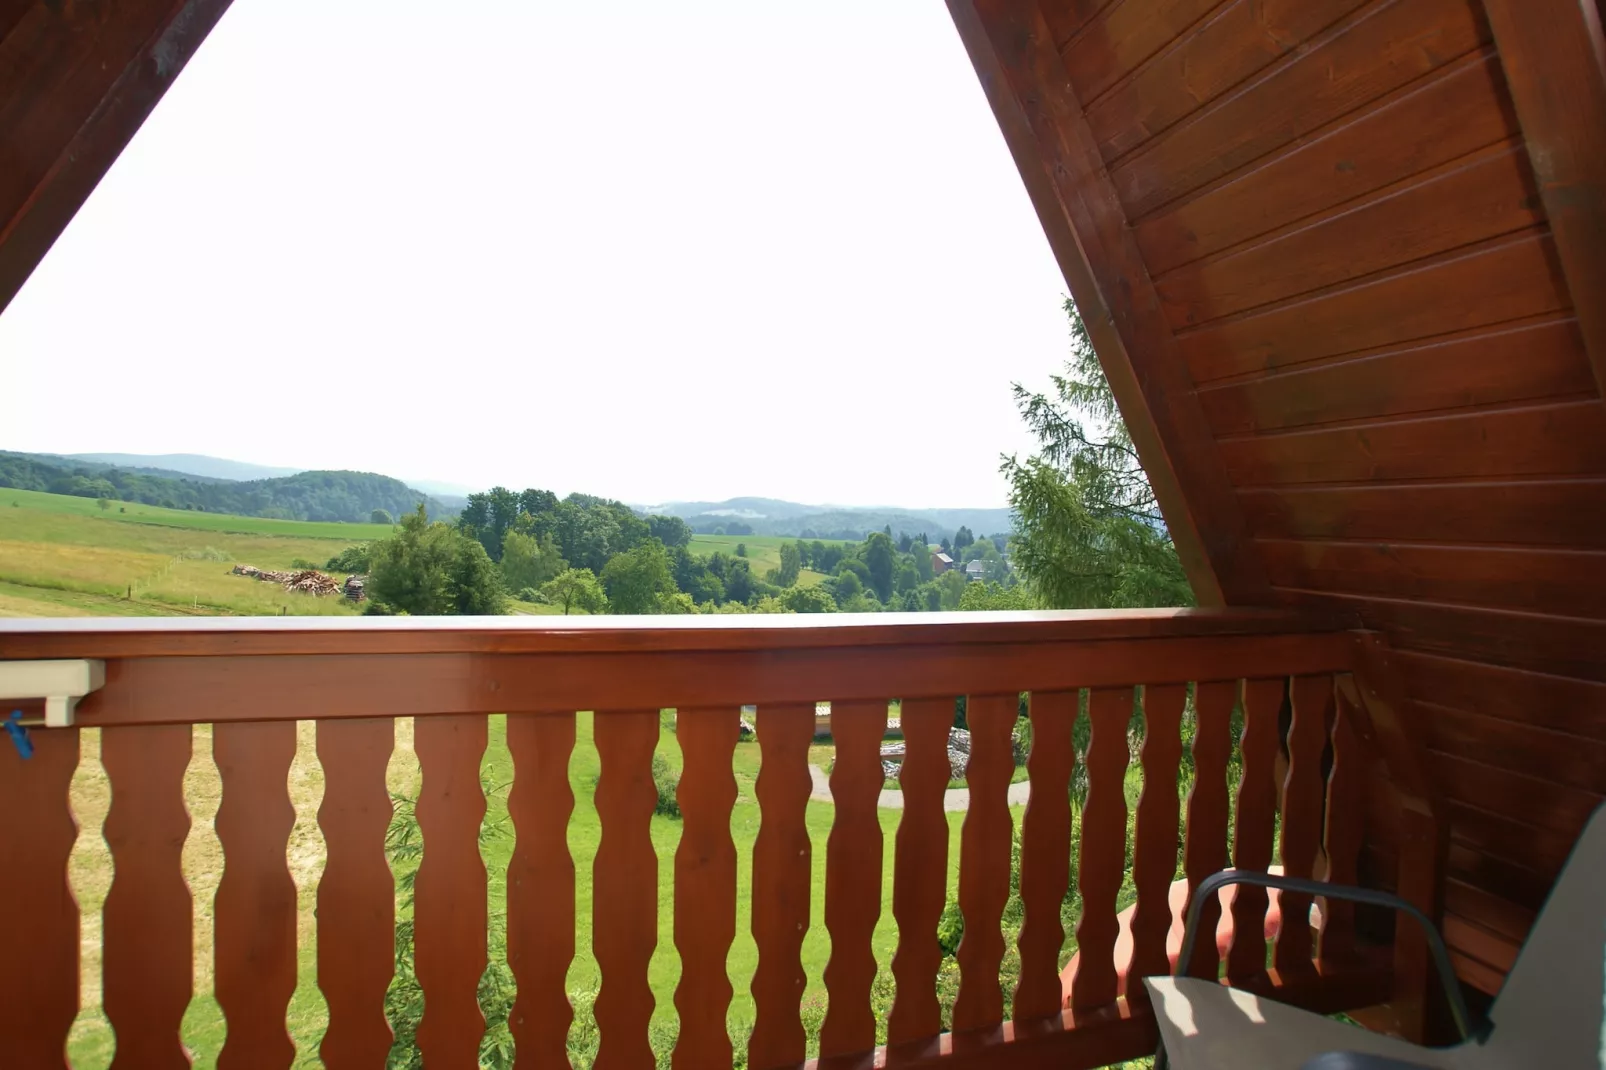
x=92, y=74
x=1554, y=56
x=1024, y=77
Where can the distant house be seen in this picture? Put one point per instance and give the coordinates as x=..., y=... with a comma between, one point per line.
x=940, y=563
x=975, y=571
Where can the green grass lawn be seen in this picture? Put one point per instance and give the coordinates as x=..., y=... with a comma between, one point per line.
x=135, y=513
x=763, y=553
x=62, y=556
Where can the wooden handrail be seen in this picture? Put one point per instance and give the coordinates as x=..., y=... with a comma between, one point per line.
x=250, y=677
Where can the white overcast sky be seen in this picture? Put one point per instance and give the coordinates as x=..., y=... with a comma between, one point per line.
x=652, y=251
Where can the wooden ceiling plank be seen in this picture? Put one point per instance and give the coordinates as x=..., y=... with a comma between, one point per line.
x=104, y=128
x=1555, y=63
x=1048, y=134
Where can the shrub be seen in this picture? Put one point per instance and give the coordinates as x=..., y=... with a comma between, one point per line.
x=301, y=562
x=667, y=782
x=529, y=594
x=351, y=559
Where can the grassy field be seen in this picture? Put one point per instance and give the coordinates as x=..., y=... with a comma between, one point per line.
x=763, y=551
x=63, y=556
x=92, y=1042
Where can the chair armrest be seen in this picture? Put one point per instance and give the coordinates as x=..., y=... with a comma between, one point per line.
x=1370, y=896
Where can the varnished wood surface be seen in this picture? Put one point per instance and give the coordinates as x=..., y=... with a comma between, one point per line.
x=705, y=885
x=196, y=689
x=148, y=940
x=1252, y=829
x=920, y=870
x=1045, y=855
x=39, y=968
x=540, y=887
x=1154, y=855
x=450, y=912
x=255, y=919
x=1205, y=841
x=1312, y=699
x=624, y=921
x=357, y=893
x=984, y=859
x=781, y=877
x=1103, y=855
x=853, y=876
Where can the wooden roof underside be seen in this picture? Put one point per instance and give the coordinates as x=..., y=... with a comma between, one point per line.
x=1344, y=262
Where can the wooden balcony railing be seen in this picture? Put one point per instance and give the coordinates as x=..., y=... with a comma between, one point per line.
x=1298, y=796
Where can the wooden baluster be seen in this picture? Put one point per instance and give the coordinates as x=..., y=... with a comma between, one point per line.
x=1253, y=832
x=1103, y=847
x=357, y=894
x=1204, y=851
x=256, y=898
x=984, y=850
x=1045, y=864
x=1346, y=785
x=705, y=885
x=624, y=882
x=540, y=887
x=781, y=878
x=1302, y=814
x=1154, y=855
x=148, y=947
x=38, y=967
x=449, y=907
x=853, y=876
x=920, y=869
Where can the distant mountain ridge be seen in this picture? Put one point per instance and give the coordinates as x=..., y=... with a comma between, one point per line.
x=351, y=497
x=773, y=516
x=193, y=464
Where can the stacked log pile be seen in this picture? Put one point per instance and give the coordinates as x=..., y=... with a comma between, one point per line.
x=307, y=581
x=355, y=588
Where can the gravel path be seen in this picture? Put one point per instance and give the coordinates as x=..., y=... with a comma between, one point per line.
x=954, y=799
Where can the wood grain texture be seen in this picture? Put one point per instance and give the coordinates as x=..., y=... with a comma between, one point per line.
x=984, y=850
x=1555, y=66
x=705, y=884
x=148, y=940
x=624, y=921
x=1205, y=844
x=1577, y=707
x=1045, y=863
x=1474, y=198
x=781, y=877
x=1122, y=37
x=1103, y=857
x=1154, y=855
x=255, y=907
x=1548, y=512
x=1384, y=47
x=1562, y=582
x=449, y=907
x=540, y=887
x=1566, y=438
x=920, y=870
x=357, y=893
x=1484, y=285
x=39, y=973
x=853, y=876
x=1312, y=698
x=1252, y=829
x=1454, y=111
x=1342, y=836
x=250, y=687
x=1087, y=227
x=78, y=81
x=1235, y=43
x=1531, y=360
x=1560, y=757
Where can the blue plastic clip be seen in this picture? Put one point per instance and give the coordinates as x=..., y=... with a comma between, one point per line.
x=19, y=735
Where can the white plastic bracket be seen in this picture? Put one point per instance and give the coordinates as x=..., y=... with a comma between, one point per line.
x=60, y=683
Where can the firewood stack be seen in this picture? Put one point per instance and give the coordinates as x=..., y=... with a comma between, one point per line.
x=312, y=582
x=355, y=588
